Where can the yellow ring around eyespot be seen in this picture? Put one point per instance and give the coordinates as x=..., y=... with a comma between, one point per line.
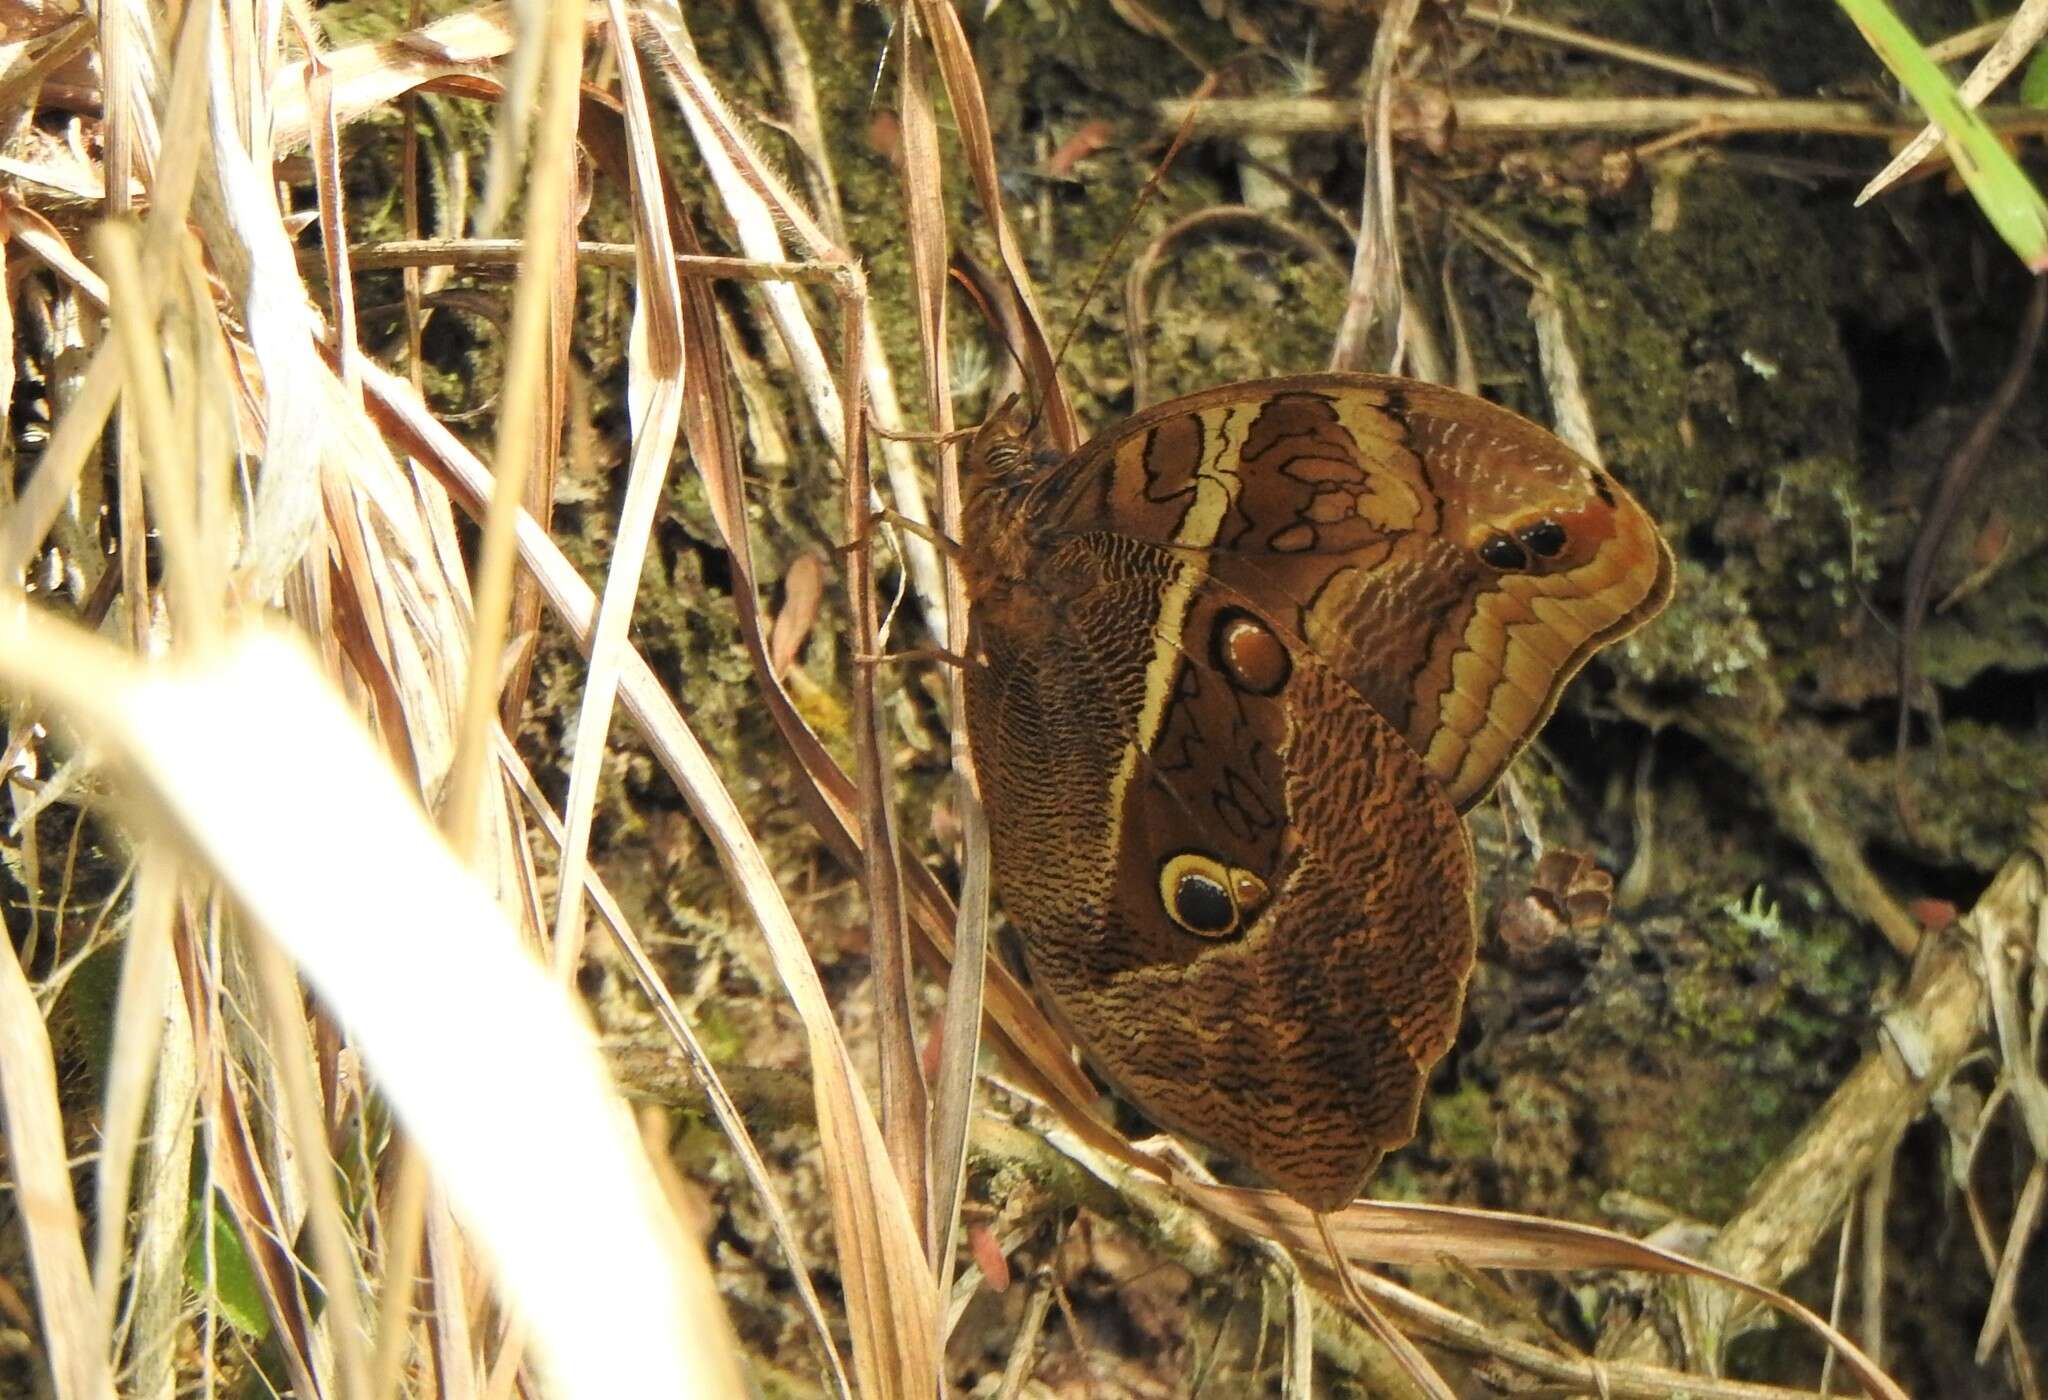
x=1192, y=875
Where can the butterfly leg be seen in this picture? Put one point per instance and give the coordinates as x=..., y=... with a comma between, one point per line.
x=937, y=539
x=912, y=435
x=938, y=654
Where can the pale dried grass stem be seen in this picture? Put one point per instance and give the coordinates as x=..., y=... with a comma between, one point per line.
x=1488, y=114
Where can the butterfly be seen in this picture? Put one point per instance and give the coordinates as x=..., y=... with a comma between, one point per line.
x=1239, y=664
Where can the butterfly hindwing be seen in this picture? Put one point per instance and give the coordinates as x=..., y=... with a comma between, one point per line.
x=1275, y=950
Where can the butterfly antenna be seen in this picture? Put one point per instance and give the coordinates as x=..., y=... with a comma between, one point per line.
x=1180, y=139
x=968, y=279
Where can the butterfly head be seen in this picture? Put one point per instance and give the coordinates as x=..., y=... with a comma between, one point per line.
x=1007, y=448
x=1009, y=490
x=1010, y=455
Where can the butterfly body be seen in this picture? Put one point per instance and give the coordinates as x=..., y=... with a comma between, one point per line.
x=1240, y=663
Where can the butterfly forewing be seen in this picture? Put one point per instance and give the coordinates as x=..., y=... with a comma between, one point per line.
x=1451, y=560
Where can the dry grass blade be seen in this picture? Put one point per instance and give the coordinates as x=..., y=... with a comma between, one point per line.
x=453, y=1334
x=655, y=368
x=1299, y=1383
x=2007, y=949
x=759, y=208
x=1965, y=42
x=622, y=257
x=325, y=144
x=941, y=24
x=146, y=397
x=35, y=59
x=549, y=411
x=364, y=629
x=1572, y=1374
x=217, y=754
x=730, y=1120
x=1031, y=1042
x=369, y=76
x=881, y=1214
x=72, y=444
x=305, y=414
x=894, y=1331
x=42, y=1183
x=893, y=1325
x=2023, y=30
x=158, y=1296
x=138, y=1030
x=519, y=444
x=1413, y=1364
x=2026, y=1221
x=1388, y=1232
x=1031, y=1045
x=236, y=1174
x=39, y=236
x=1571, y=414
x=1024, y=1346
x=404, y=1224
x=177, y=172
x=923, y=193
x=752, y=191
x=806, y=128
x=924, y=206
x=127, y=47
x=701, y=96
x=302, y=1134
x=906, y=1108
x=2011, y=958
x=1376, y=290
x=960, y=1051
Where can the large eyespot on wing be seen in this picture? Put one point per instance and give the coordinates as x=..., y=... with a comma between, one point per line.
x=1289, y=929
x=1453, y=561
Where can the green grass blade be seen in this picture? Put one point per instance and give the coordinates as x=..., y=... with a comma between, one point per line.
x=2008, y=198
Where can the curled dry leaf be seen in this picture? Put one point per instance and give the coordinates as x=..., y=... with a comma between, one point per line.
x=803, y=589
x=1088, y=138
x=989, y=1256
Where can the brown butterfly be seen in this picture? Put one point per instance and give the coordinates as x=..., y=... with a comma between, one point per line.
x=1241, y=662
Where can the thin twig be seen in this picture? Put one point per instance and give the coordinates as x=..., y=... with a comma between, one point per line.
x=1137, y=283
x=1656, y=59
x=1957, y=474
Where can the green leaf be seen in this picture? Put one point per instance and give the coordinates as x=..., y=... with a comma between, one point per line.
x=2034, y=82
x=2002, y=190
x=235, y=1291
